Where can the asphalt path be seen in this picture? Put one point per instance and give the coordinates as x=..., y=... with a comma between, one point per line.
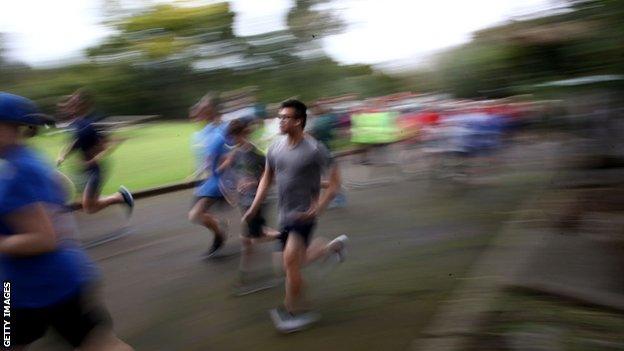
x=412, y=241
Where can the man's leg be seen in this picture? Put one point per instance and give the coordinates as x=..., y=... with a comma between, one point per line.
x=317, y=249
x=251, y=276
x=278, y=264
x=85, y=323
x=258, y=234
x=268, y=234
x=321, y=248
x=294, y=258
x=297, y=316
x=199, y=215
x=92, y=203
x=91, y=200
x=255, y=233
x=246, y=255
x=105, y=341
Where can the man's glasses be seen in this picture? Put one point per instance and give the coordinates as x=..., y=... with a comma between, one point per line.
x=285, y=117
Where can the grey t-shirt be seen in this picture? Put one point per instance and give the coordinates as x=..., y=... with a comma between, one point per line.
x=297, y=172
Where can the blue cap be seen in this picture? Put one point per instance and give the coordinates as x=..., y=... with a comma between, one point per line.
x=18, y=109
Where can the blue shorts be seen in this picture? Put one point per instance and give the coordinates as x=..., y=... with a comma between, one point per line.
x=209, y=188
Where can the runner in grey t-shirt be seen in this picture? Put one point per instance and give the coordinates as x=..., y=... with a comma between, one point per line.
x=296, y=162
x=298, y=171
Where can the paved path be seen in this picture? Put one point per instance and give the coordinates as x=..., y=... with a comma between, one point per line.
x=412, y=242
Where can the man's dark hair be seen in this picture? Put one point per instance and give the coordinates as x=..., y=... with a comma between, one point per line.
x=300, y=109
x=236, y=127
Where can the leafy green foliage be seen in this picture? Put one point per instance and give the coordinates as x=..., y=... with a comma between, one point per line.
x=150, y=64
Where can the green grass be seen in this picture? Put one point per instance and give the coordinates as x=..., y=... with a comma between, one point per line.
x=155, y=154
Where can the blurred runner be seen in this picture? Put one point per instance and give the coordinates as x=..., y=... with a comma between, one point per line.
x=210, y=148
x=49, y=276
x=247, y=163
x=324, y=123
x=93, y=146
x=297, y=161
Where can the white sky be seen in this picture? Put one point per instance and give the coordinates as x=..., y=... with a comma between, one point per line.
x=43, y=32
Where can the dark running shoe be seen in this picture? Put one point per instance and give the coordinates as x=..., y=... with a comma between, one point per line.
x=128, y=199
x=216, y=245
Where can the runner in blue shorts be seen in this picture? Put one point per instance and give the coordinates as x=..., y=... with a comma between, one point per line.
x=211, y=148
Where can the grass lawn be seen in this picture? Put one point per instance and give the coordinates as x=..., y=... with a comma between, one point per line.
x=156, y=154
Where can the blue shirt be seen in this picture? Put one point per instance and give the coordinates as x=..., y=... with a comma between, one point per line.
x=198, y=144
x=45, y=279
x=212, y=146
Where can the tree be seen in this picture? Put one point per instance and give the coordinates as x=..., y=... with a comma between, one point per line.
x=307, y=22
x=11, y=72
x=586, y=39
x=162, y=58
x=167, y=32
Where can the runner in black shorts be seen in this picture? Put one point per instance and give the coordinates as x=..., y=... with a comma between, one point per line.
x=297, y=162
x=93, y=145
x=246, y=164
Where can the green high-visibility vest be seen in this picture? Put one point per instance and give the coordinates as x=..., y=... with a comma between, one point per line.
x=375, y=128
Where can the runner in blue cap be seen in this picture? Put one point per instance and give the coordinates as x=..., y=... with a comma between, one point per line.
x=48, y=276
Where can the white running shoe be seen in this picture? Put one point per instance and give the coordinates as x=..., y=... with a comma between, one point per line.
x=339, y=245
x=288, y=323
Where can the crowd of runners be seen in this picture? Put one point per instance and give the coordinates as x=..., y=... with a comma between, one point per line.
x=242, y=148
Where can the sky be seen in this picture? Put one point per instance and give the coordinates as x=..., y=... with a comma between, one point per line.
x=379, y=31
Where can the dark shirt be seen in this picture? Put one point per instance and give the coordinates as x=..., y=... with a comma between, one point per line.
x=86, y=136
